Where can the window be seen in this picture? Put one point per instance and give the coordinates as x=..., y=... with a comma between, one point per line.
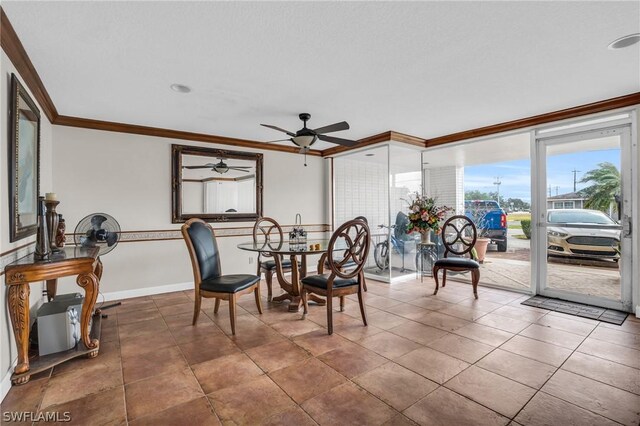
x=569, y=205
x=558, y=204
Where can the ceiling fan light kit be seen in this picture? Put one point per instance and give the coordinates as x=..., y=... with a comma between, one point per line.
x=305, y=137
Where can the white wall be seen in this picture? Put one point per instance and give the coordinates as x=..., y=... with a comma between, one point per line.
x=447, y=185
x=129, y=177
x=8, y=352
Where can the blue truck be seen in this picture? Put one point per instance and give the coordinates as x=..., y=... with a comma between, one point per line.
x=490, y=220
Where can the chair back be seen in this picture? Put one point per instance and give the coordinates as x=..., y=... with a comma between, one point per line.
x=264, y=230
x=459, y=235
x=203, y=249
x=353, y=239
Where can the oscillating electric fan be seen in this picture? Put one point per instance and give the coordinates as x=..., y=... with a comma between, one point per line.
x=98, y=230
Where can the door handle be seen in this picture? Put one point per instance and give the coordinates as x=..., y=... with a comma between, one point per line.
x=626, y=226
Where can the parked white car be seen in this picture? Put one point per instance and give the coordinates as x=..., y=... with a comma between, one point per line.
x=594, y=243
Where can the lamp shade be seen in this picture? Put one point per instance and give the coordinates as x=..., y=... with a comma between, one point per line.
x=304, y=141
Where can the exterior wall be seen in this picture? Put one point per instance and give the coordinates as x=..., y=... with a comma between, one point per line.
x=447, y=185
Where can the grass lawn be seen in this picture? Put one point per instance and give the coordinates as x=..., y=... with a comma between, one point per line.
x=514, y=225
x=518, y=216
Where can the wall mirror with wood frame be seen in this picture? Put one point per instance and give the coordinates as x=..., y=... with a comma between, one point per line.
x=215, y=185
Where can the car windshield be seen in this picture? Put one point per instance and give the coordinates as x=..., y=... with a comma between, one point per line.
x=580, y=216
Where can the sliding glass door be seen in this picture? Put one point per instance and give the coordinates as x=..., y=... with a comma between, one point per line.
x=583, y=212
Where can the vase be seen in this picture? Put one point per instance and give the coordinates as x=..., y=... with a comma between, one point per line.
x=426, y=237
x=52, y=222
x=481, y=248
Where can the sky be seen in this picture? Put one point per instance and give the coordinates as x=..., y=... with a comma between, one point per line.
x=516, y=175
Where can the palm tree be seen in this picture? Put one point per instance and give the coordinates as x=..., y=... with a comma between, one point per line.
x=606, y=185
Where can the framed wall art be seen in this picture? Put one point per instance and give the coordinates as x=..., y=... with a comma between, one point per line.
x=24, y=162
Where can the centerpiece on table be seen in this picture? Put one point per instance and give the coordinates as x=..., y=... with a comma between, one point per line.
x=425, y=216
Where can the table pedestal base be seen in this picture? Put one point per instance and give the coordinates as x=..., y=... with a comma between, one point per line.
x=296, y=301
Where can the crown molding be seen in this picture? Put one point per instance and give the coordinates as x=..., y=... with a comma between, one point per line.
x=135, y=129
x=536, y=120
x=14, y=49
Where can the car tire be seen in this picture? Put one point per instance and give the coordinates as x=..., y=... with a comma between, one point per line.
x=502, y=246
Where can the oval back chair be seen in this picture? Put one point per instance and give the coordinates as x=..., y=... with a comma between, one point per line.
x=351, y=242
x=265, y=229
x=459, y=236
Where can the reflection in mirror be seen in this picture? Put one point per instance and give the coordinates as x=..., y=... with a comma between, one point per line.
x=224, y=186
x=216, y=185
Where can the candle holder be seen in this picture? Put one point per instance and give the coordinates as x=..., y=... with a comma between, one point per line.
x=52, y=222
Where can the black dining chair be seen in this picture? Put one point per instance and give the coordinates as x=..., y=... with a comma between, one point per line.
x=352, y=239
x=264, y=230
x=207, y=272
x=459, y=236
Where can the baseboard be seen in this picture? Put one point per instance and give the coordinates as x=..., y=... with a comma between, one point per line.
x=145, y=291
x=5, y=386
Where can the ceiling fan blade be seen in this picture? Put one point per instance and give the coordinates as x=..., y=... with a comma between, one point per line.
x=335, y=127
x=240, y=167
x=339, y=141
x=239, y=170
x=279, y=140
x=198, y=167
x=278, y=129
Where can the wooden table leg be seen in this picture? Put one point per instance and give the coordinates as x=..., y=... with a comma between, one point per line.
x=89, y=282
x=52, y=288
x=19, y=312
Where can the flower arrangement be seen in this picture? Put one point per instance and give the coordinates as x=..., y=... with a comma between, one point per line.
x=424, y=214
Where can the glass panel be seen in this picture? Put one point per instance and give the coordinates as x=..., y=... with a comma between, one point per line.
x=490, y=182
x=405, y=179
x=361, y=188
x=583, y=244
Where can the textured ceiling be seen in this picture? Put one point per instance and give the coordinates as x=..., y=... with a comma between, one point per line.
x=421, y=68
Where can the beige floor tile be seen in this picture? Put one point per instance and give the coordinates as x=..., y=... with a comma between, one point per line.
x=385, y=320
x=274, y=356
x=444, y=407
x=295, y=416
x=105, y=407
x=537, y=350
x=442, y=321
x=349, y=405
x=611, y=351
x=352, y=360
x=250, y=403
x=153, y=363
x=418, y=333
x=491, y=390
x=560, y=323
x=469, y=314
x=158, y=393
x=307, y=379
x=199, y=412
x=631, y=325
x=608, y=372
x=545, y=410
x=523, y=370
x=519, y=314
x=482, y=333
x=396, y=385
x=553, y=336
x=319, y=341
x=389, y=345
x=605, y=400
x=226, y=371
x=621, y=338
x=503, y=323
x=460, y=347
x=432, y=364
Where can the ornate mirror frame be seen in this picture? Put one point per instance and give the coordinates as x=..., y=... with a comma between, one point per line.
x=177, y=151
x=24, y=162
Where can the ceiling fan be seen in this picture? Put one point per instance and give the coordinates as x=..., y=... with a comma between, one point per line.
x=306, y=137
x=220, y=167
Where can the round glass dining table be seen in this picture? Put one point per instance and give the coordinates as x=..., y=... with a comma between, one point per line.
x=279, y=249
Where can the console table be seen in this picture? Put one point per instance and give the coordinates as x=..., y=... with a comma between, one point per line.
x=69, y=261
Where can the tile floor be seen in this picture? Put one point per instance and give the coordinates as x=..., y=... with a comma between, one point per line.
x=445, y=359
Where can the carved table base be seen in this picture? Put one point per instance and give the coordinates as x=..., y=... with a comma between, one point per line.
x=293, y=287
